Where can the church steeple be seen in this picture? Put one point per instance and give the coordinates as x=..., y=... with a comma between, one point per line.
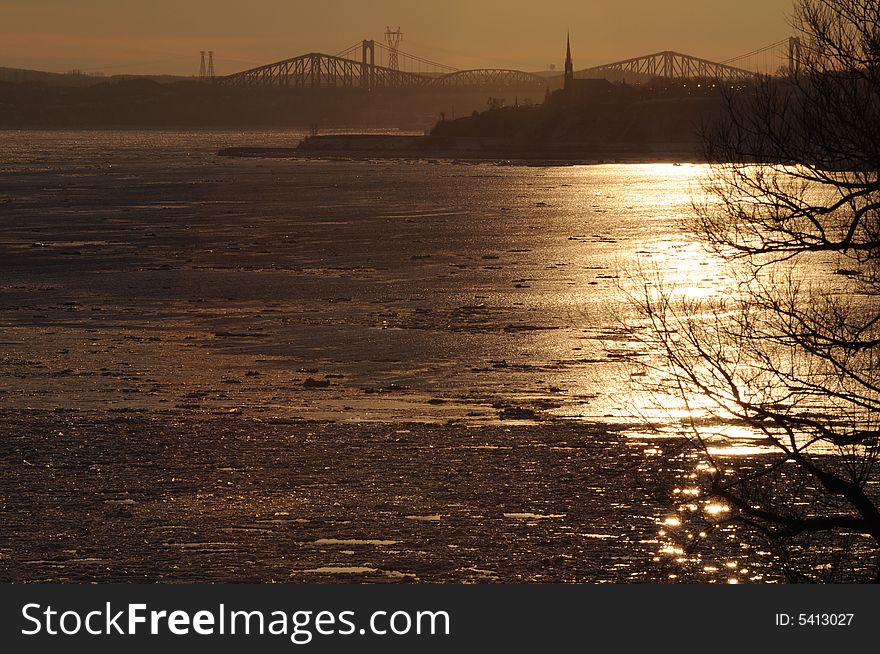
x=569, y=66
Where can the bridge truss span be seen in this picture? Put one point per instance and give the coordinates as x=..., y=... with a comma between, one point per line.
x=344, y=70
x=490, y=77
x=316, y=70
x=670, y=65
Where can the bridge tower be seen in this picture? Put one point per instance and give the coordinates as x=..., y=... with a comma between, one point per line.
x=794, y=55
x=368, y=62
x=393, y=39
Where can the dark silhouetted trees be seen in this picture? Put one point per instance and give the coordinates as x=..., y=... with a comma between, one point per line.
x=792, y=352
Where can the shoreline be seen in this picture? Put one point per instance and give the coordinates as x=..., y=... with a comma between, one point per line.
x=472, y=149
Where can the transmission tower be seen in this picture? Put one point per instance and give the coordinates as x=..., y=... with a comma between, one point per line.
x=202, y=69
x=211, y=64
x=393, y=39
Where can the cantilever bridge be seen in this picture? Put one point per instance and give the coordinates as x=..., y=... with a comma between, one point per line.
x=357, y=67
x=317, y=70
x=668, y=65
x=777, y=58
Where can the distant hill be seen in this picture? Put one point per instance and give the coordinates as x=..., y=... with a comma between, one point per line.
x=76, y=78
x=127, y=101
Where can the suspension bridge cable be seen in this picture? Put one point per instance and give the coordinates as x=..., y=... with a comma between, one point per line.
x=349, y=50
x=421, y=60
x=756, y=52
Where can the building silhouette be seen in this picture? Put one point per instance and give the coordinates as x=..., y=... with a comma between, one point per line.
x=569, y=64
x=575, y=89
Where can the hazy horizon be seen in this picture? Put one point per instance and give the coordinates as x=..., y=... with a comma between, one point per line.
x=165, y=37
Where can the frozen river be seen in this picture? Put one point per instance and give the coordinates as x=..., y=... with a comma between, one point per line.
x=242, y=369
x=358, y=291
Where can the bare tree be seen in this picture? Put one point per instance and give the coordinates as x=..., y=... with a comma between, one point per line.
x=792, y=202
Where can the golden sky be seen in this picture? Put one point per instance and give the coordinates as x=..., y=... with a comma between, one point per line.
x=165, y=36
